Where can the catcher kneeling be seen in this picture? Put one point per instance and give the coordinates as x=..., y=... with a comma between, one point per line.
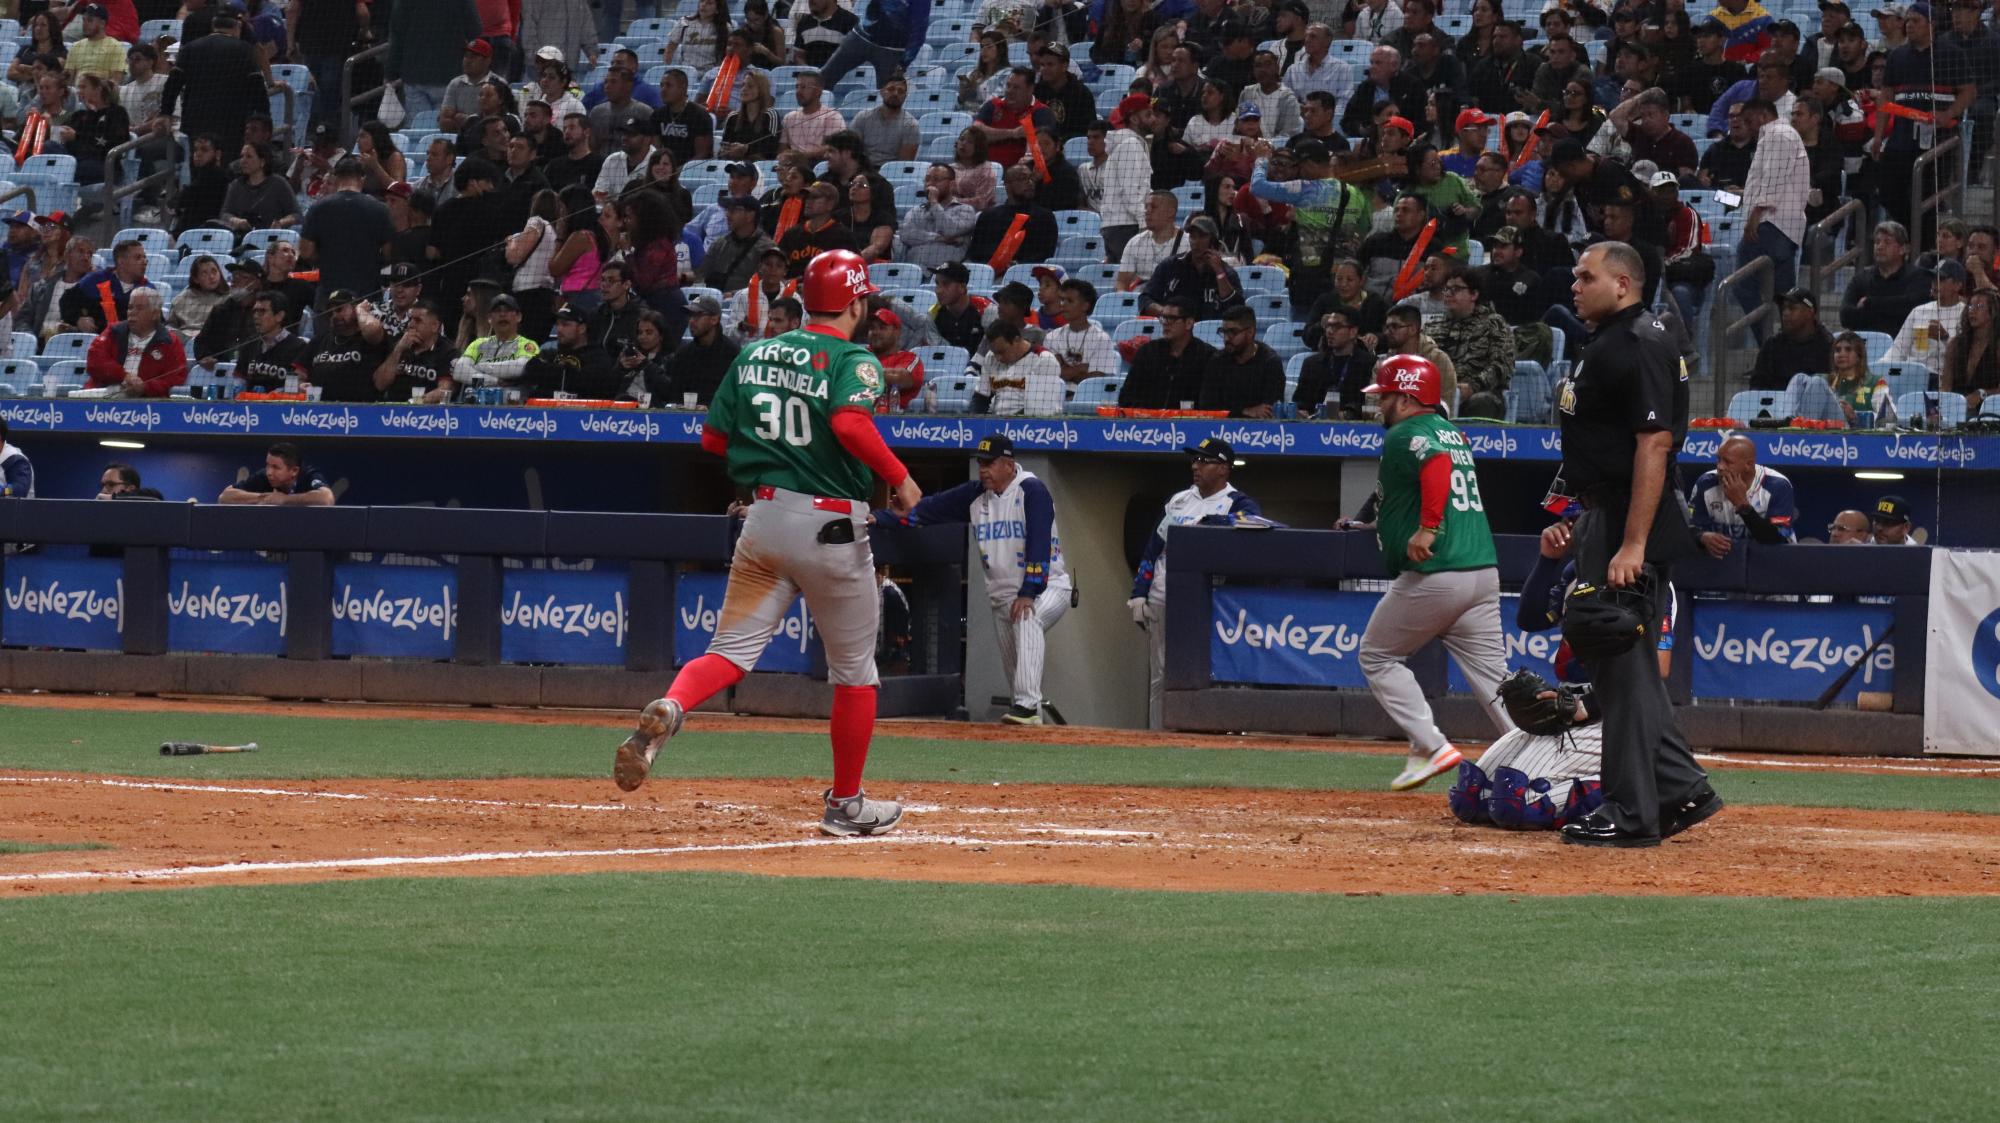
x=1544, y=773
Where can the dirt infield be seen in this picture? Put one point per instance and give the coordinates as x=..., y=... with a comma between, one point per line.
x=179, y=833
x=164, y=833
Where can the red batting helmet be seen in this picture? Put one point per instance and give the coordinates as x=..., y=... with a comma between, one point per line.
x=1407, y=374
x=832, y=281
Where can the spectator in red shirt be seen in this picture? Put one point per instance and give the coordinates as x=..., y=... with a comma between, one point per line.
x=902, y=371
x=1001, y=119
x=138, y=355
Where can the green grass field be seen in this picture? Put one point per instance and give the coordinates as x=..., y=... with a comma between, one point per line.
x=724, y=997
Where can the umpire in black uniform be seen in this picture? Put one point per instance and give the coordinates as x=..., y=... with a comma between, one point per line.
x=1624, y=413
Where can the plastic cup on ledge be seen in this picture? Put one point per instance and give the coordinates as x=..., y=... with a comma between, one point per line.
x=313, y=393
x=1864, y=419
x=417, y=395
x=1187, y=406
x=690, y=401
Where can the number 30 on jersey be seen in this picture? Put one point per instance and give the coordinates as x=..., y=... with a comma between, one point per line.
x=789, y=419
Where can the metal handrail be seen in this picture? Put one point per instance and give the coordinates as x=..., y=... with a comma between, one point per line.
x=1920, y=204
x=19, y=190
x=1719, y=333
x=1848, y=214
x=349, y=100
x=114, y=168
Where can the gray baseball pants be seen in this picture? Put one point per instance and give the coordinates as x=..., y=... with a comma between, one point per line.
x=1463, y=609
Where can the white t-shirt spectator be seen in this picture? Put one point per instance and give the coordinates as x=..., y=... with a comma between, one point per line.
x=1906, y=348
x=1143, y=254
x=1091, y=346
x=1033, y=385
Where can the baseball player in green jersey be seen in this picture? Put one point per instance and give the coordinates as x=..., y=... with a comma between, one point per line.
x=794, y=417
x=1431, y=524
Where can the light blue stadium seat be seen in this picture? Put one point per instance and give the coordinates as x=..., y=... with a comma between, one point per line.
x=1078, y=222
x=1878, y=344
x=896, y=275
x=1913, y=378
x=1532, y=394
x=937, y=149
x=1115, y=308
x=69, y=375
x=151, y=30
x=652, y=28
x=1261, y=278
x=262, y=240
x=218, y=243
x=1913, y=409
x=1191, y=197
x=1102, y=277
x=1283, y=339
x=53, y=179
x=20, y=377
x=1090, y=393
x=154, y=239
x=1270, y=307
x=1752, y=404
x=1074, y=252
x=954, y=393
x=857, y=100
x=1132, y=329
x=931, y=100
x=904, y=169
x=979, y=277
x=940, y=362
x=64, y=347
x=1209, y=332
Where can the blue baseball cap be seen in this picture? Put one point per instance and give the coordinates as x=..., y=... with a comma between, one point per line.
x=21, y=218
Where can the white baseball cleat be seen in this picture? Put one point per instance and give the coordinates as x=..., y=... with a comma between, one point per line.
x=858, y=815
x=1417, y=771
x=660, y=720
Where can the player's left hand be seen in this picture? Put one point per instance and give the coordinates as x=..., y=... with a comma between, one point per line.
x=1024, y=607
x=904, y=497
x=1625, y=566
x=1420, y=544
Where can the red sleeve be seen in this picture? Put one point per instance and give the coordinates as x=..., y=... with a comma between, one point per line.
x=104, y=368
x=714, y=441
x=1435, y=486
x=855, y=428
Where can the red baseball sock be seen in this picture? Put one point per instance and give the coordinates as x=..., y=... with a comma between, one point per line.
x=852, y=728
x=703, y=679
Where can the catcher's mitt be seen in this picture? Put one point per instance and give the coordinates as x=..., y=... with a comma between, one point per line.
x=1521, y=692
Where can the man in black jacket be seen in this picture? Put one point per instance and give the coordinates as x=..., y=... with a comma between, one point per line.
x=698, y=365
x=1064, y=93
x=994, y=222
x=1332, y=378
x=1801, y=346
x=1245, y=377
x=1880, y=299
x=615, y=320
x=1167, y=373
x=574, y=365
x=1198, y=280
x=222, y=81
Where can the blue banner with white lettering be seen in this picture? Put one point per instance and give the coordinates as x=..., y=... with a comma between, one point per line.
x=273, y=420
x=226, y=607
x=56, y=601
x=399, y=611
x=1288, y=636
x=1788, y=652
x=1534, y=651
x=563, y=616
x=794, y=648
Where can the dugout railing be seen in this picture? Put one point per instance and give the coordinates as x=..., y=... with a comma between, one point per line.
x=1206, y=559
x=653, y=553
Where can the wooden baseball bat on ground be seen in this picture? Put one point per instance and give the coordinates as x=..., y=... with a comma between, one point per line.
x=193, y=748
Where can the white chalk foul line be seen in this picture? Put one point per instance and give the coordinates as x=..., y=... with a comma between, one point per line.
x=1830, y=765
x=171, y=873
x=295, y=793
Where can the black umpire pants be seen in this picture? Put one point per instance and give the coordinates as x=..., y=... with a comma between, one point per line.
x=1647, y=759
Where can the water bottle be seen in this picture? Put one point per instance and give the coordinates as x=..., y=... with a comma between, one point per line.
x=930, y=398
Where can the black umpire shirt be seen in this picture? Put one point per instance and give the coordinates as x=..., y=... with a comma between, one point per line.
x=1629, y=381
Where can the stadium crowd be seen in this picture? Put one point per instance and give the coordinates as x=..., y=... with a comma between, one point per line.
x=1230, y=206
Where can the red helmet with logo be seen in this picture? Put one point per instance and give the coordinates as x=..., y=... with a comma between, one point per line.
x=1407, y=374
x=832, y=281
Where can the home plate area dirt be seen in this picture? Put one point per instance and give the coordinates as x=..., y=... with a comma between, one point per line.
x=171, y=833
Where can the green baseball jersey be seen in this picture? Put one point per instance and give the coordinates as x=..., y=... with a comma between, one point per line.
x=776, y=408
x=1464, y=541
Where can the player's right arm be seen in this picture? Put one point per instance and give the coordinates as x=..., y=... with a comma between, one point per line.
x=952, y=505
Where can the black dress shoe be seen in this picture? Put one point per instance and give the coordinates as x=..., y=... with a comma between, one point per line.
x=1677, y=817
x=1596, y=829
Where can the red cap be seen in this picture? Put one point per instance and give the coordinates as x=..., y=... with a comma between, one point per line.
x=479, y=47
x=401, y=189
x=1407, y=374
x=1128, y=105
x=1468, y=118
x=1402, y=123
x=885, y=316
x=832, y=281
